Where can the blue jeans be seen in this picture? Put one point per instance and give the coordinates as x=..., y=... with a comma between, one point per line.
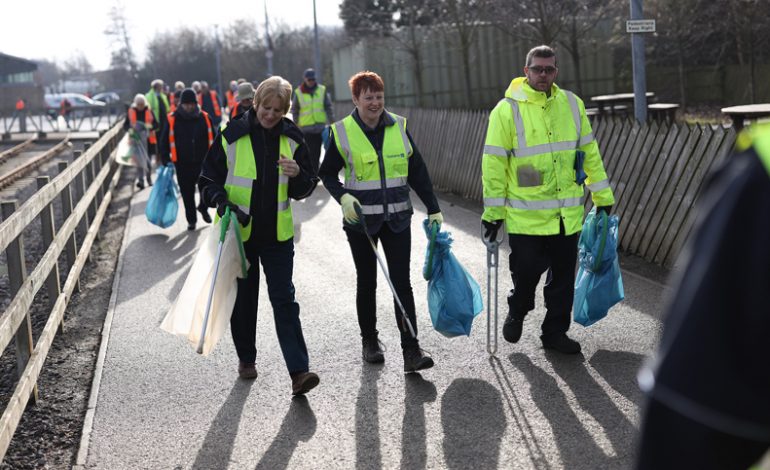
x=278, y=263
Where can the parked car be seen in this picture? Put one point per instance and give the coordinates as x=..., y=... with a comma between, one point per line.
x=108, y=97
x=81, y=104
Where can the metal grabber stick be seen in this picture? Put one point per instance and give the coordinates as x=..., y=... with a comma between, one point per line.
x=385, y=271
x=492, y=262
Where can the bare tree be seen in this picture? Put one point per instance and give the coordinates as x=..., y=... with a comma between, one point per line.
x=117, y=31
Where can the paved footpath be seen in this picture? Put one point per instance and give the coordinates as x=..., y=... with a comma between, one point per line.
x=161, y=406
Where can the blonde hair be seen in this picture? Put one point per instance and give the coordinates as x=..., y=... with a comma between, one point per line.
x=274, y=87
x=139, y=99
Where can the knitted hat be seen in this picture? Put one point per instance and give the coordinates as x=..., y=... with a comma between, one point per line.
x=188, y=96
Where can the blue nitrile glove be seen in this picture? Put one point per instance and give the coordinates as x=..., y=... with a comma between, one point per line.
x=580, y=174
x=437, y=217
x=491, y=228
x=325, y=137
x=348, y=203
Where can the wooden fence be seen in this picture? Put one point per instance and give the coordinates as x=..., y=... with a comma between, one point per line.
x=656, y=170
x=94, y=174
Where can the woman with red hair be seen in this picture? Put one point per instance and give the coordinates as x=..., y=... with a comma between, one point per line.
x=381, y=163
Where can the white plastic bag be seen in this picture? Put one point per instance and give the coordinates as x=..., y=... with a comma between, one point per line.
x=186, y=315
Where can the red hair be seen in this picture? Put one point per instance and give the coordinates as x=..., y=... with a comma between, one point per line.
x=365, y=80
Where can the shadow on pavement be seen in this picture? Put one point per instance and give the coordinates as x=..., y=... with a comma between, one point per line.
x=594, y=400
x=304, y=210
x=474, y=423
x=218, y=444
x=418, y=391
x=161, y=257
x=577, y=447
x=524, y=427
x=619, y=369
x=368, y=454
x=299, y=424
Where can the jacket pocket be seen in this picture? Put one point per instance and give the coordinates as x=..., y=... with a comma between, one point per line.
x=366, y=165
x=527, y=176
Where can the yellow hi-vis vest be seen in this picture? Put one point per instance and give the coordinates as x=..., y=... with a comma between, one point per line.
x=241, y=173
x=528, y=165
x=311, y=107
x=757, y=136
x=378, y=193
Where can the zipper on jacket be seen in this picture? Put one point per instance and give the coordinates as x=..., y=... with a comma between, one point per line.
x=381, y=163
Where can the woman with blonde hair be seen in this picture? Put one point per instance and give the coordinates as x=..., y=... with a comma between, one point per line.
x=255, y=165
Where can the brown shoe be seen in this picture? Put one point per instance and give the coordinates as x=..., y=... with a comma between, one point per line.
x=247, y=370
x=303, y=382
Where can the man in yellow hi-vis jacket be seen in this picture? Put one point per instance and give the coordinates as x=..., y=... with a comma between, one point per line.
x=539, y=154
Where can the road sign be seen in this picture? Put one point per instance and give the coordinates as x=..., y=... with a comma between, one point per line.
x=640, y=26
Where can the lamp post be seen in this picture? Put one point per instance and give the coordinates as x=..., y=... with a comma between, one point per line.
x=219, y=69
x=317, y=47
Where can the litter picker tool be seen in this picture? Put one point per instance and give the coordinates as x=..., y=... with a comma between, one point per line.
x=493, y=251
x=404, y=318
x=223, y=228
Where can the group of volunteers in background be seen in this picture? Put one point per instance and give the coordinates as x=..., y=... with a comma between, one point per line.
x=539, y=156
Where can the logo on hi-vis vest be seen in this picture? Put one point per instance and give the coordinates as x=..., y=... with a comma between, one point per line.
x=399, y=155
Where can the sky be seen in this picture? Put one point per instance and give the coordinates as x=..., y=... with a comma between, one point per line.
x=55, y=30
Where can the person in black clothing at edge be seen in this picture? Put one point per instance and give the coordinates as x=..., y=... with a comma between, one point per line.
x=184, y=142
x=709, y=385
x=256, y=164
x=381, y=162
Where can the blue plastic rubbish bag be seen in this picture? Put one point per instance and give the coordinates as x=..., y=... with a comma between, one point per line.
x=162, y=205
x=454, y=297
x=598, y=285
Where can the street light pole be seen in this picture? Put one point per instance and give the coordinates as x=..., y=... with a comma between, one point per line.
x=317, y=47
x=219, y=68
x=268, y=46
x=637, y=57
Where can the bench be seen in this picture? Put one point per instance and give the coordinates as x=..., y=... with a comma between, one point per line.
x=662, y=111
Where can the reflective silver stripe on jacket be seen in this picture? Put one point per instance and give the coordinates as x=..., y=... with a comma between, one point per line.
x=497, y=151
x=283, y=205
x=401, y=122
x=368, y=185
x=599, y=185
x=342, y=138
x=494, y=202
x=547, y=204
x=392, y=208
x=525, y=150
x=283, y=179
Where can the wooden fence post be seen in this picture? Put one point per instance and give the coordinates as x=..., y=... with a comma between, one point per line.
x=17, y=273
x=49, y=232
x=71, y=249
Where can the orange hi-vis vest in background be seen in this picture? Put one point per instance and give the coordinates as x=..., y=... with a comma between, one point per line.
x=20, y=105
x=147, y=120
x=213, y=94
x=172, y=139
x=231, y=102
x=171, y=102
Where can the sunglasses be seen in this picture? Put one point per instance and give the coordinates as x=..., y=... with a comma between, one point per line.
x=537, y=70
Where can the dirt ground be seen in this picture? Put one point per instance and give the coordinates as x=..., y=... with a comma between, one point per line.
x=48, y=435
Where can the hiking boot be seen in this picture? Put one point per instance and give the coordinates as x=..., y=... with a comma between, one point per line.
x=247, y=370
x=372, y=351
x=140, y=184
x=415, y=359
x=512, y=328
x=561, y=342
x=191, y=227
x=204, y=214
x=303, y=382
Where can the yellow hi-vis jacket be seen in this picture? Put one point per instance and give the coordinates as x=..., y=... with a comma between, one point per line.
x=528, y=166
x=758, y=136
x=241, y=173
x=311, y=107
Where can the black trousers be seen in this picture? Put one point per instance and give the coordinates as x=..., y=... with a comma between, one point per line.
x=531, y=256
x=397, y=247
x=671, y=440
x=278, y=263
x=187, y=176
x=314, y=143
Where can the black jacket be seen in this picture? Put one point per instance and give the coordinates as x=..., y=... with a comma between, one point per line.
x=418, y=177
x=264, y=193
x=712, y=365
x=190, y=137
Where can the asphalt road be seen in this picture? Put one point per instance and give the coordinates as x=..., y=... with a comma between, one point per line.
x=162, y=406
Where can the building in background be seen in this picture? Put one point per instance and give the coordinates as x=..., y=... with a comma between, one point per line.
x=19, y=79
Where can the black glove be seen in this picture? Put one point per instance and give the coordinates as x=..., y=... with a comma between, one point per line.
x=491, y=228
x=607, y=210
x=223, y=203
